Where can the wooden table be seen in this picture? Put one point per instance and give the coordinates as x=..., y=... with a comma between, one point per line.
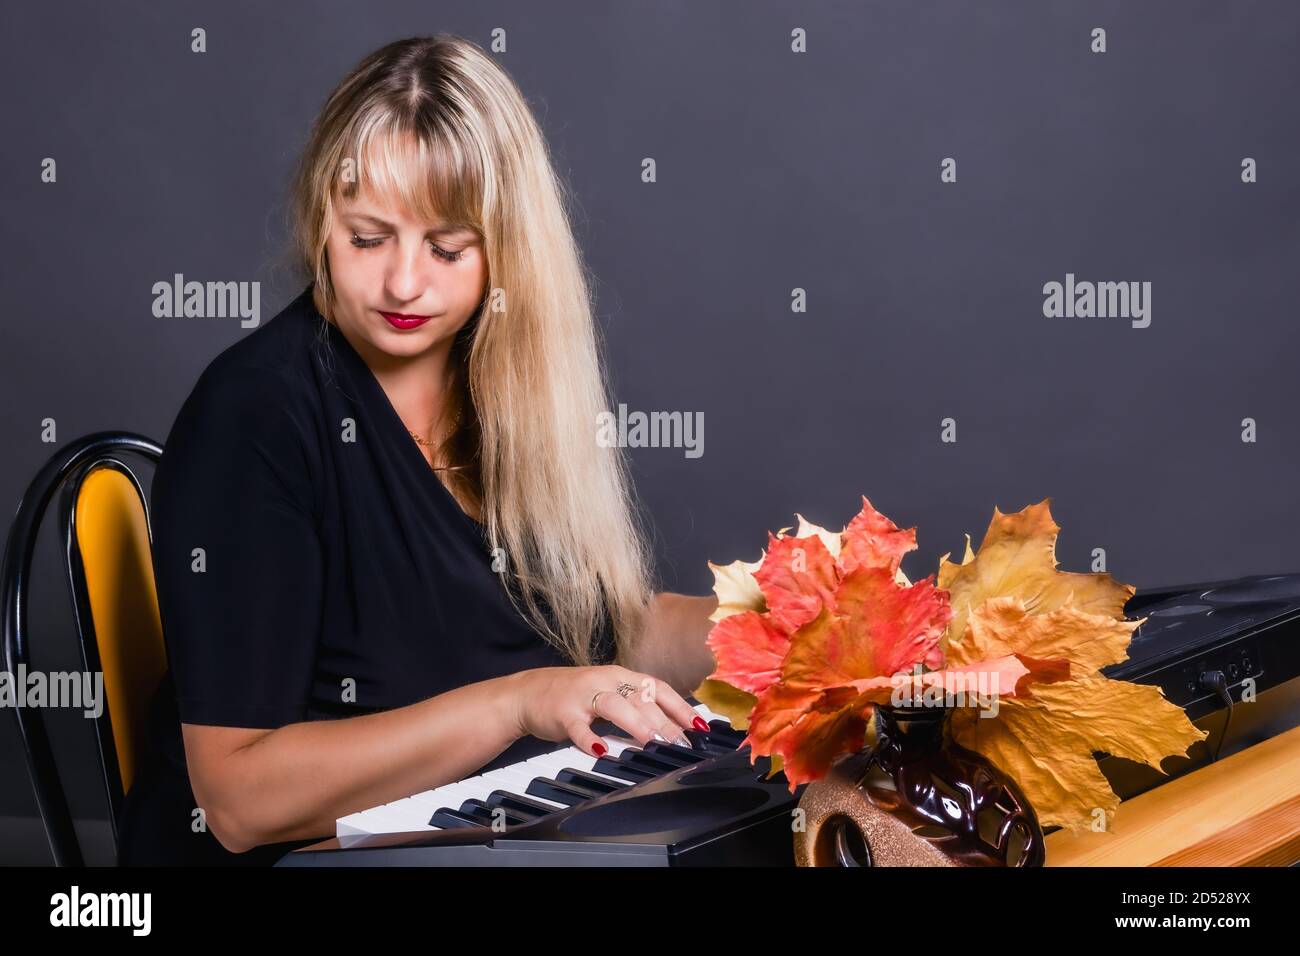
x=1243, y=810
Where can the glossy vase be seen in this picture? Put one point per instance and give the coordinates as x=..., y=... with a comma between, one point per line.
x=915, y=798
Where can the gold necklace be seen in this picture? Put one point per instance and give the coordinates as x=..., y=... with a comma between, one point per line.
x=419, y=440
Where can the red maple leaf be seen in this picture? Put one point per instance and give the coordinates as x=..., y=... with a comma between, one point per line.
x=839, y=636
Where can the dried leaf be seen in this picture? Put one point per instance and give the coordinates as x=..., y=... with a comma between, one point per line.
x=1004, y=625
x=873, y=629
x=800, y=578
x=1017, y=558
x=1065, y=627
x=736, y=588
x=1046, y=742
x=721, y=698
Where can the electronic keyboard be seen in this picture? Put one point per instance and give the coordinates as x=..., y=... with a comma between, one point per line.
x=1204, y=645
x=1228, y=653
x=655, y=805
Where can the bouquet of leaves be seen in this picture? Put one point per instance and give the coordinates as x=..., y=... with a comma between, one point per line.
x=825, y=627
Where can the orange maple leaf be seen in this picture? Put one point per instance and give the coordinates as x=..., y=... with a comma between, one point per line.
x=835, y=636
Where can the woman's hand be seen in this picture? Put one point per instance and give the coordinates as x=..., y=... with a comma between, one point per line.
x=556, y=703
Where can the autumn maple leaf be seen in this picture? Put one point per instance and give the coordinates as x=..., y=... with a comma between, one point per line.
x=1009, y=598
x=732, y=691
x=738, y=591
x=837, y=626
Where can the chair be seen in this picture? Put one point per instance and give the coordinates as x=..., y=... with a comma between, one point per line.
x=104, y=521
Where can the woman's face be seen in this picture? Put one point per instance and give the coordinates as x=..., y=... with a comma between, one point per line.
x=401, y=287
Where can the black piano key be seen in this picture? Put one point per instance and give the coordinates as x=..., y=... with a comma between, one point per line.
x=639, y=758
x=448, y=819
x=591, y=780
x=612, y=767
x=478, y=810
x=475, y=806
x=680, y=755
x=725, y=730
x=569, y=794
x=710, y=744
x=520, y=806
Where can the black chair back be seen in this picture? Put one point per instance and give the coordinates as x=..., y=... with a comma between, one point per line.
x=69, y=471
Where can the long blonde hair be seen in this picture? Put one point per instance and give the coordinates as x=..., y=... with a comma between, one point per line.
x=436, y=126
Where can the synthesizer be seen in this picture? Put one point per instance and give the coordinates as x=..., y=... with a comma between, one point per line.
x=655, y=805
x=1228, y=653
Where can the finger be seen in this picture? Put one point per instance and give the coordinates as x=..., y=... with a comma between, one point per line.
x=663, y=728
x=666, y=729
x=659, y=695
x=585, y=739
x=635, y=722
x=676, y=707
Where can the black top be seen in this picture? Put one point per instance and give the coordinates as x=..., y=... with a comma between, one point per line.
x=310, y=565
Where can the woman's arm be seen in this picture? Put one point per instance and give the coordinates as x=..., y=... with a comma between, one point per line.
x=293, y=782
x=671, y=644
x=267, y=786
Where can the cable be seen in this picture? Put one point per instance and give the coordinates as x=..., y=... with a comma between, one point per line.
x=1216, y=682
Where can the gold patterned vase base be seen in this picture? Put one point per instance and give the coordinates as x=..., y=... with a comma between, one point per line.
x=916, y=799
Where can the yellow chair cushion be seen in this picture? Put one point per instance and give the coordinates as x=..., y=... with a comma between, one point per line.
x=113, y=538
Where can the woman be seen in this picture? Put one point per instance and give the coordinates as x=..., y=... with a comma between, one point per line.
x=390, y=551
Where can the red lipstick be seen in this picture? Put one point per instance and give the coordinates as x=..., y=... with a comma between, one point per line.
x=403, y=322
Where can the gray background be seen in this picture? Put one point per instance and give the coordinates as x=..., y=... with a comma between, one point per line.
x=775, y=171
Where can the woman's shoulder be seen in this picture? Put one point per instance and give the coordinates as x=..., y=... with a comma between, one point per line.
x=255, y=400
x=277, y=355
x=266, y=377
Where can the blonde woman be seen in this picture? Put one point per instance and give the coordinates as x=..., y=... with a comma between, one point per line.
x=390, y=551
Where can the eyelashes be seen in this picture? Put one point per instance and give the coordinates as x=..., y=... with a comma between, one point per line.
x=437, y=250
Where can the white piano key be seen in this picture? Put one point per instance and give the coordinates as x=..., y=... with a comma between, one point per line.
x=509, y=778
x=350, y=825
x=617, y=745
x=470, y=787
x=708, y=714
x=452, y=796
x=549, y=764
x=375, y=820
x=412, y=813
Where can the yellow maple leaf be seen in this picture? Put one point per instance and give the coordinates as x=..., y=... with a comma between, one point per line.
x=1009, y=599
x=1018, y=558
x=731, y=702
x=1046, y=742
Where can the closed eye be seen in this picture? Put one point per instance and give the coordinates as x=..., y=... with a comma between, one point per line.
x=444, y=254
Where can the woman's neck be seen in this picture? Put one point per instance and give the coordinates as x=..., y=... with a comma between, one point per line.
x=416, y=386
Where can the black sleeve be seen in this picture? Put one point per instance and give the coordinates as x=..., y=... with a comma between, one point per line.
x=241, y=618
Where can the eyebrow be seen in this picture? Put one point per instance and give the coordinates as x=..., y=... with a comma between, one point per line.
x=441, y=229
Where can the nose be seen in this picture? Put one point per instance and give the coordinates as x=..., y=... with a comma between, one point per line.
x=406, y=278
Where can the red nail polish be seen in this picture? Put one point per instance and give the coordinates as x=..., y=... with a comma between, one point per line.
x=600, y=749
x=701, y=724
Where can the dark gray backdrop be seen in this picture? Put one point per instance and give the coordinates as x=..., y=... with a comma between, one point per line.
x=776, y=171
